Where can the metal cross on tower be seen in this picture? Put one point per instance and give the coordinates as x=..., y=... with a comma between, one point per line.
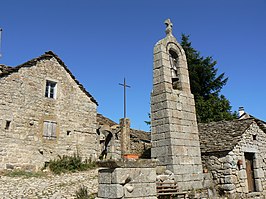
x=125, y=86
x=1, y=42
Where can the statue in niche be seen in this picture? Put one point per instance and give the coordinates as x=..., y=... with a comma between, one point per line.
x=174, y=66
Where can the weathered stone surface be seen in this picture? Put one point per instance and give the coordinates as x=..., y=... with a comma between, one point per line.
x=139, y=163
x=121, y=175
x=228, y=187
x=110, y=191
x=160, y=169
x=137, y=175
x=105, y=176
x=207, y=180
x=135, y=182
x=142, y=190
x=125, y=136
x=258, y=173
x=258, y=185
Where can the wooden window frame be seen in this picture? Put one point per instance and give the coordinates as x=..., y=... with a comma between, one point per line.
x=49, y=129
x=50, y=89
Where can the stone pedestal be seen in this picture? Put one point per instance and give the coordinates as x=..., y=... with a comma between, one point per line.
x=127, y=179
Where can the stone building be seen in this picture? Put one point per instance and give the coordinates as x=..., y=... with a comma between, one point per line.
x=234, y=152
x=44, y=113
x=174, y=130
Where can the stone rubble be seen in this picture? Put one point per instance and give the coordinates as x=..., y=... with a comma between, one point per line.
x=62, y=186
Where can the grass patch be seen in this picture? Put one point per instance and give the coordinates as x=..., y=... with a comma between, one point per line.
x=25, y=174
x=70, y=164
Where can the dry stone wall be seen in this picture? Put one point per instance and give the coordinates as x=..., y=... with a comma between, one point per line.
x=24, y=108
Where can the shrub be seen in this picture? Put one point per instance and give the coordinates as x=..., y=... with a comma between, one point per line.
x=82, y=193
x=70, y=164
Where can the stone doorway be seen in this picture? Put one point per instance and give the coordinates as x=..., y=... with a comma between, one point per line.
x=249, y=157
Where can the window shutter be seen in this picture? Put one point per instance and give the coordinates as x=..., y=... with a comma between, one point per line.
x=50, y=128
x=45, y=129
x=53, y=132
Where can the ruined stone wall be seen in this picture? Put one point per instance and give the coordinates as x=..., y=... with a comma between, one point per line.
x=24, y=106
x=141, y=148
x=229, y=171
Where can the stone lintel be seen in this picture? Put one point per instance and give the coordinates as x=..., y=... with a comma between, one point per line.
x=139, y=163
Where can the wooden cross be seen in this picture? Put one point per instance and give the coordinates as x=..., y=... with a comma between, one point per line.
x=125, y=86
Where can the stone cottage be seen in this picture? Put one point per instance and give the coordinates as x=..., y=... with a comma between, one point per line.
x=44, y=113
x=234, y=152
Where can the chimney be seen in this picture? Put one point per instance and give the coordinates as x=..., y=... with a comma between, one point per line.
x=241, y=111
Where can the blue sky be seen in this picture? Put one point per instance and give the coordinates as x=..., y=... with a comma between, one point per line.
x=104, y=41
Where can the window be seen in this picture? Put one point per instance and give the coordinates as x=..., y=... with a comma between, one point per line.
x=49, y=129
x=7, y=124
x=50, y=89
x=254, y=137
x=68, y=132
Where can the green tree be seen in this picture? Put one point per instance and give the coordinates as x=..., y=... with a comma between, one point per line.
x=206, y=86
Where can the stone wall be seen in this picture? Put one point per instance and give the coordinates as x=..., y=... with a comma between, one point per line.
x=24, y=108
x=228, y=168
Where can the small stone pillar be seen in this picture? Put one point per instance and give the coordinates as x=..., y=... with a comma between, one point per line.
x=125, y=136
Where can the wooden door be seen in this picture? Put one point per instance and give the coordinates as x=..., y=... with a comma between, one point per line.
x=250, y=172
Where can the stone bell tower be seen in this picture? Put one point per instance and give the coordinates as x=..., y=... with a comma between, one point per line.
x=175, y=140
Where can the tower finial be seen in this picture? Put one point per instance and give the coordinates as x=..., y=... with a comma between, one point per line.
x=169, y=27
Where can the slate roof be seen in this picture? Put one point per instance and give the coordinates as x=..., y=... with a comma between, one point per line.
x=7, y=70
x=104, y=120
x=224, y=135
x=4, y=69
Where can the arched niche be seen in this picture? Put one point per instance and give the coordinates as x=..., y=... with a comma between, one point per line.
x=174, y=67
